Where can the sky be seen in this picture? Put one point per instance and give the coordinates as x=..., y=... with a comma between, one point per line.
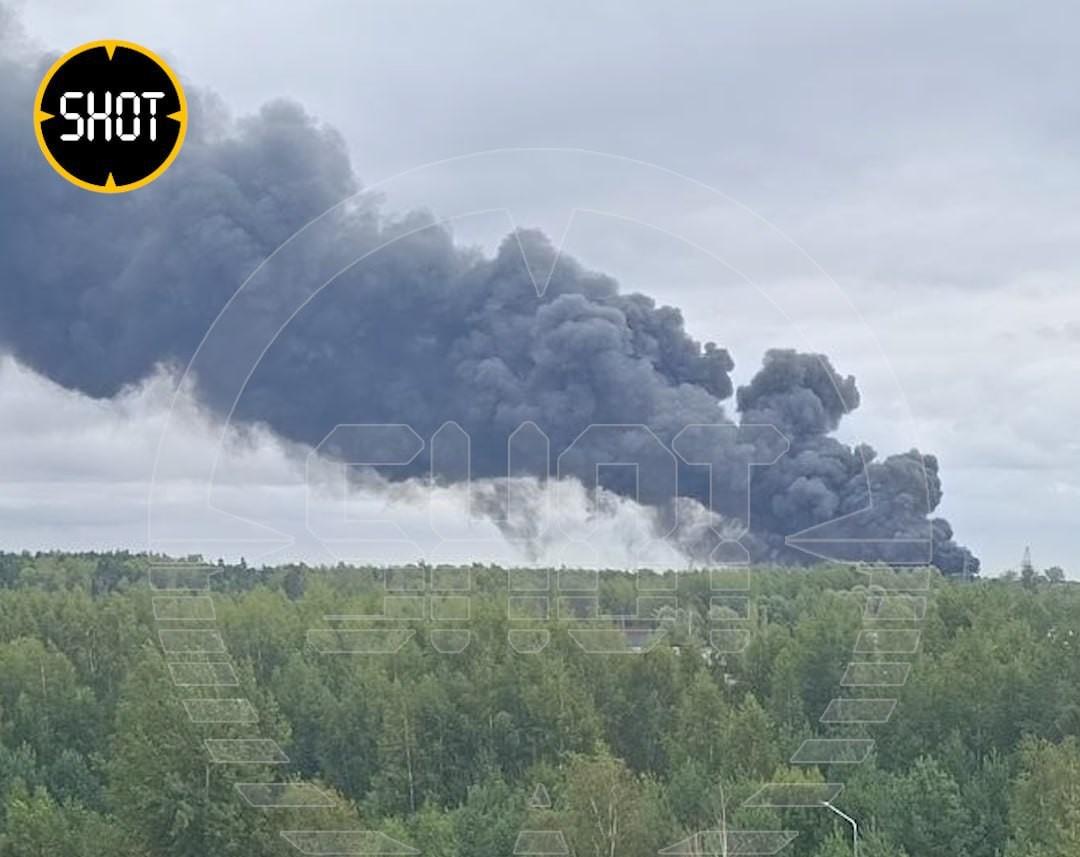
x=893, y=184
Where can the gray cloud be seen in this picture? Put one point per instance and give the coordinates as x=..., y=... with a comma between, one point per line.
x=101, y=292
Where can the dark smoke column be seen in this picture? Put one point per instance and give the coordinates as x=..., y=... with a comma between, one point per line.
x=100, y=293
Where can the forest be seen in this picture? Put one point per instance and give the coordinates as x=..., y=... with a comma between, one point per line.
x=678, y=713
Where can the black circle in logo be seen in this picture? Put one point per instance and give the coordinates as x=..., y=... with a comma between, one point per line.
x=110, y=116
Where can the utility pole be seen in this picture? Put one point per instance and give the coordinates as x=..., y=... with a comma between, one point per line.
x=854, y=827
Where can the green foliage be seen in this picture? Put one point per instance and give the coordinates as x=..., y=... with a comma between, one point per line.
x=98, y=755
x=1045, y=811
x=37, y=826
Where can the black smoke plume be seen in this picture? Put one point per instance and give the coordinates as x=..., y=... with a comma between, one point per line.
x=98, y=292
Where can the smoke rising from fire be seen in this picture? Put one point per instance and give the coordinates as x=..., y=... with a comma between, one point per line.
x=100, y=292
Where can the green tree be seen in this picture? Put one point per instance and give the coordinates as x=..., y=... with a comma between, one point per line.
x=36, y=826
x=607, y=811
x=1045, y=810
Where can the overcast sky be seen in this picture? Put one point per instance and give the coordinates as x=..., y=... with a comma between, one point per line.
x=923, y=154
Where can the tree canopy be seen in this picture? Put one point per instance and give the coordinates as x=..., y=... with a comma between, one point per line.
x=123, y=729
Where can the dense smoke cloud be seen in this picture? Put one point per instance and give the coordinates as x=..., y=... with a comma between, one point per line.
x=99, y=291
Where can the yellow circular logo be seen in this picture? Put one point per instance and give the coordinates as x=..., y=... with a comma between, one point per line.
x=110, y=116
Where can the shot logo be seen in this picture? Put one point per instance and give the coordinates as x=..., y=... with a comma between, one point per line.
x=110, y=116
